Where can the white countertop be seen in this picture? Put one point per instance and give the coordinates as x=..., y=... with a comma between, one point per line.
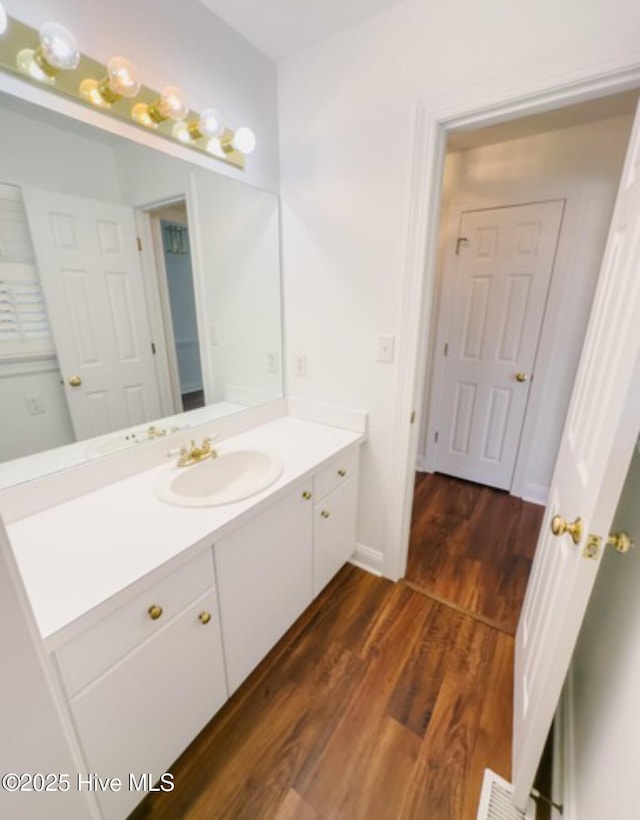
x=79, y=554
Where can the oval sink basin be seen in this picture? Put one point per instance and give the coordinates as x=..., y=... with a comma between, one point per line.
x=231, y=476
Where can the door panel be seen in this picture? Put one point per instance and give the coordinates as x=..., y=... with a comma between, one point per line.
x=600, y=433
x=499, y=294
x=90, y=273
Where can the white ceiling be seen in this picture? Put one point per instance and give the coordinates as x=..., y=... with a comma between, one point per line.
x=281, y=28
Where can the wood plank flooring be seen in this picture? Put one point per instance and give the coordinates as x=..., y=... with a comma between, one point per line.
x=381, y=702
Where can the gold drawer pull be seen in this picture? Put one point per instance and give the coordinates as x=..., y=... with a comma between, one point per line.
x=306, y=495
x=342, y=473
x=155, y=612
x=325, y=513
x=204, y=617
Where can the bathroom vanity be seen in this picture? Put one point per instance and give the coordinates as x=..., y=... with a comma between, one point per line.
x=152, y=614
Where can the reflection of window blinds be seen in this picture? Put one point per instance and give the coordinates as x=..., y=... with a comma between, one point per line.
x=24, y=328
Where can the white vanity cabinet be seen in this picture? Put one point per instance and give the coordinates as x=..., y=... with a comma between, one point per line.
x=335, y=491
x=264, y=572
x=139, y=703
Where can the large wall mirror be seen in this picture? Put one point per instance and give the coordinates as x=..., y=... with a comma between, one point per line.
x=139, y=293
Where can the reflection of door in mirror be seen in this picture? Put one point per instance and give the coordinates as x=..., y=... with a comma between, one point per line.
x=87, y=257
x=173, y=266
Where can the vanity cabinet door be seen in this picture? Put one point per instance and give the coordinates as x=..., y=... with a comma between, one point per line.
x=334, y=531
x=140, y=715
x=264, y=573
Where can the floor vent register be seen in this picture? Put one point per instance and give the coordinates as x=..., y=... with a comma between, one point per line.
x=495, y=801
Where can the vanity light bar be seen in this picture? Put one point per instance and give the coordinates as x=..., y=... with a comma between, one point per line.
x=51, y=58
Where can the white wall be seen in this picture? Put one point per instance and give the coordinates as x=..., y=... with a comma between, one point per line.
x=179, y=44
x=582, y=166
x=602, y=780
x=347, y=111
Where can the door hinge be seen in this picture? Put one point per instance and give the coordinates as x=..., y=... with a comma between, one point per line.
x=153, y=348
x=446, y=348
x=139, y=243
x=413, y=417
x=461, y=240
x=436, y=437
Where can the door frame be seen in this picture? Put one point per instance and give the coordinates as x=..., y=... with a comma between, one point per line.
x=599, y=72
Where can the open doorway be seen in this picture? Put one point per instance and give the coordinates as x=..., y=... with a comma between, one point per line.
x=169, y=226
x=569, y=160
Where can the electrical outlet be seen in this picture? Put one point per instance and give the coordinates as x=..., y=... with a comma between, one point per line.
x=34, y=405
x=300, y=365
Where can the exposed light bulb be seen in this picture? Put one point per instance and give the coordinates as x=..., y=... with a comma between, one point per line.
x=59, y=47
x=171, y=106
x=58, y=51
x=3, y=19
x=210, y=123
x=121, y=81
x=244, y=140
x=123, y=77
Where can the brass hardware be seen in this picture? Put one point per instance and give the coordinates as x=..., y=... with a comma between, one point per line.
x=522, y=377
x=325, y=513
x=592, y=547
x=75, y=381
x=155, y=612
x=413, y=417
x=194, y=454
x=620, y=541
x=560, y=526
x=306, y=495
x=155, y=432
x=342, y=473
x=204, y=617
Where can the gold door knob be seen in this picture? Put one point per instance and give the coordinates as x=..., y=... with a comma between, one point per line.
x=325, y=513
x=306, y=495
x=620, y=541
x=155, y=612
x=204, y=617
x=522, y=377
x=560, y=526
x=75, y=381
x=342, y=473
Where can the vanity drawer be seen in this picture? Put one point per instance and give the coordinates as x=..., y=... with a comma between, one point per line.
x=86, y=656
x=335, y=473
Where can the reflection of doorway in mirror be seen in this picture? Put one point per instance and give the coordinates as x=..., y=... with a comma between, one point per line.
x=178, y=305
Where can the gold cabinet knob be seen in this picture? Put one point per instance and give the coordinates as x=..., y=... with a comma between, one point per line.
x=75, y=381
x=306, y=495
x=522, y=377
x=560, y=526
x=342, y=473
x=204, y=617
x=620, y=541
x=155, y=612
x=325, y=513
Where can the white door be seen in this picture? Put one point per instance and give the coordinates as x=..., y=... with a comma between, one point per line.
x=600, y=432
x=87, y=257
x=504, y=261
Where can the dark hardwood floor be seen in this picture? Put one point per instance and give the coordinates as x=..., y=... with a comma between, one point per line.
x=382, y=701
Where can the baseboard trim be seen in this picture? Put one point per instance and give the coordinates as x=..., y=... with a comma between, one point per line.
x=368, y=559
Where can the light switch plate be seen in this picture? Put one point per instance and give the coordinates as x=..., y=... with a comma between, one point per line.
x=386, y=345
x=300, y=365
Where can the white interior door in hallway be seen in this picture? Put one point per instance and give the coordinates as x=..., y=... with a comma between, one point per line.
x=90, y=273
x=493, y=307
x=600, y=433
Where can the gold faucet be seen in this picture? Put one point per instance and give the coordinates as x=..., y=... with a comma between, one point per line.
x=194, y=454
